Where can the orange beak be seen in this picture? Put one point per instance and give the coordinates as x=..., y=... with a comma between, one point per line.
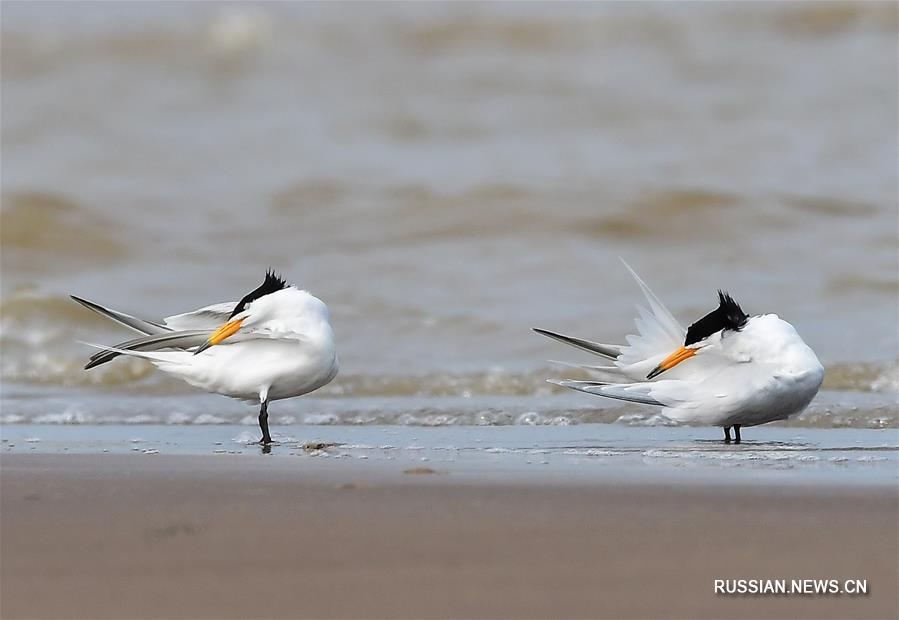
x=223, y=332
x=671, y=361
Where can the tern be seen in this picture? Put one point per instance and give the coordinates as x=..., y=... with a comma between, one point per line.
x=275, y=343
x=727, y=369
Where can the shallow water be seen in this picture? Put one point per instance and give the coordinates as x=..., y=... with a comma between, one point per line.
x=561, y=454
x=445, y=177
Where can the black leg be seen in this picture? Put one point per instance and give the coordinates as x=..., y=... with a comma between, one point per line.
x=727, y=434
x=263, y=423
x=736, y=433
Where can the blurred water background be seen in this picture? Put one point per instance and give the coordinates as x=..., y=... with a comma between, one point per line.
x=445, y=177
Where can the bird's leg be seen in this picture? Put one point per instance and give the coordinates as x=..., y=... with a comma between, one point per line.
x=263, y=423
x=736, y=433
x=727, y=434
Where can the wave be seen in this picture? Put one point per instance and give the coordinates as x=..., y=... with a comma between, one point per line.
x=863, y=377
x=42, y=232
x=666, y=214
x=823, y=19
x=397, y=215
x=33, y=42
x=413, y=214
x=226, y=33
x=203, y=410
x=38, y=336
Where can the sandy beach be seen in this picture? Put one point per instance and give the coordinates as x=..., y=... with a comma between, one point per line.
x=228, y=536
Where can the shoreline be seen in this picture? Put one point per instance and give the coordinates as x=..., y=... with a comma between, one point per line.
x=130, y=536
x=509, y=454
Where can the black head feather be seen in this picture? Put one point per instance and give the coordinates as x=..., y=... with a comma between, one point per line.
x=728, y=315
x=271, y=284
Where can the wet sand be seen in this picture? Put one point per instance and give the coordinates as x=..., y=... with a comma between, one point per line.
x=128, y=536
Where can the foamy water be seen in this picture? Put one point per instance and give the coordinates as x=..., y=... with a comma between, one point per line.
x=445, y=178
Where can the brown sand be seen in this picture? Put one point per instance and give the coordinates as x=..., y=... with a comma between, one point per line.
x=115, y=536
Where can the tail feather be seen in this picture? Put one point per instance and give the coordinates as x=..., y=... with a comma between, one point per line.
x=631, y=392
x=179, y=357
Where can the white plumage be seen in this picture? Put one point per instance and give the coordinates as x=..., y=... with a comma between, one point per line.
x=275, y=343
x=727, y=370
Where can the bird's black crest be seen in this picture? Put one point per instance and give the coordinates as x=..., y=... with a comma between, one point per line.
x=271, y=284
x=728, y=315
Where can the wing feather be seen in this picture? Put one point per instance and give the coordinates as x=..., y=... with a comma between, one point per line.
x=168, y=340
x=660, y=313
x=658, y=333
x=609, y=351
x=141, y=326
x=208, y=317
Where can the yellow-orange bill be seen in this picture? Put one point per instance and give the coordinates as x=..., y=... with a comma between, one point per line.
x=671, y=361
x=223, y=332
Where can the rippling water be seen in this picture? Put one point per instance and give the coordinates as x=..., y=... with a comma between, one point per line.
x=446, y=177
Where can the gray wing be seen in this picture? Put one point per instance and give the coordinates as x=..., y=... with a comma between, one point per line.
x=168, y=340
x=210, y=317
x=609, y=351
x=631, y=392
x=141, y=326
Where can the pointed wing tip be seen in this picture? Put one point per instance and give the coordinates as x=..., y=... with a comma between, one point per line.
x=633, y=273
x=545, y=332
x=94, y=361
